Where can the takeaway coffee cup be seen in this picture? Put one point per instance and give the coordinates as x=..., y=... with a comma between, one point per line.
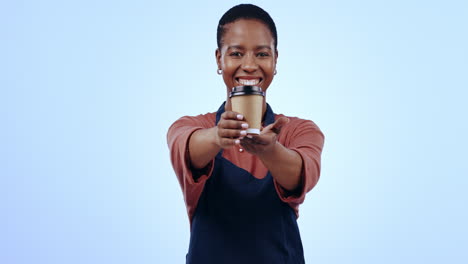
x=248, y=101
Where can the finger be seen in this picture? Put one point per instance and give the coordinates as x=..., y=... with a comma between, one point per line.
x=267, y=128
x=232, y=115
x=254, y=140
x=231, y=133
x=228, y=142
x=232, y=124
x=279, y=123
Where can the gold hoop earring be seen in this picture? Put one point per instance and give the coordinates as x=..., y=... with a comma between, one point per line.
x=219, y=71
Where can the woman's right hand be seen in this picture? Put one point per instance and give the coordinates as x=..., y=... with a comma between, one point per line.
x=230, y=129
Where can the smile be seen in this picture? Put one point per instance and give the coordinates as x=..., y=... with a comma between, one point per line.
x=249, y=81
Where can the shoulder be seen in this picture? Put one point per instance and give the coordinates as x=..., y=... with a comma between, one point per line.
x=204, y=120
x=296, y=123
x=181, y=129
x=299, y=131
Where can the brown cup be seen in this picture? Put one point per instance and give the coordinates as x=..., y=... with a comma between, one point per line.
x=248, y=101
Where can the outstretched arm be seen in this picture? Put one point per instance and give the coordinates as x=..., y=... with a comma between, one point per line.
x=204, y=144
x=285, y=165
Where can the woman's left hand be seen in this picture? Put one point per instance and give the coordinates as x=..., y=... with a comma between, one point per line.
x=266, y=141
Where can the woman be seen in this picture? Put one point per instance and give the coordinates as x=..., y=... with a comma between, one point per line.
x=242, y=192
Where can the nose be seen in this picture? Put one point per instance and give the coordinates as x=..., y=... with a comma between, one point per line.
x=249, y=63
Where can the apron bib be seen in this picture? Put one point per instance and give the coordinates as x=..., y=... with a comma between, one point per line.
x=240, y=219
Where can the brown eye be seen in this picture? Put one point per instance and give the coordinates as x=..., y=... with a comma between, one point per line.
x=263, y=54
x=235, y=54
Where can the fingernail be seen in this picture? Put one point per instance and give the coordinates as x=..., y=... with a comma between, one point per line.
x=249, y=136
x=240, y=117
x=237, y=141
x=243, y=132
x=245, y=125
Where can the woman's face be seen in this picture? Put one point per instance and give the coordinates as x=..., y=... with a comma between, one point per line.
x=247, y=55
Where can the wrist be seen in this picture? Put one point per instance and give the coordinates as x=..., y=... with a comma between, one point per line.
x=214, y=139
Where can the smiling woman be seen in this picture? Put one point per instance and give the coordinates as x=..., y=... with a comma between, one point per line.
x=243, y=205
x=247, y=45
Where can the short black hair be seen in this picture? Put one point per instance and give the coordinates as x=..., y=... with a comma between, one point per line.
x=246, y=11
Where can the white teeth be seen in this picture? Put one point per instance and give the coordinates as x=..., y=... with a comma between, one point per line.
x=249, y=82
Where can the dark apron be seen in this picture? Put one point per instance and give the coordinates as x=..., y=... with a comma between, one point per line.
x=240, y=219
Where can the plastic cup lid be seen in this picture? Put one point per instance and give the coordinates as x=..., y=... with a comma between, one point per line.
x=246, y=90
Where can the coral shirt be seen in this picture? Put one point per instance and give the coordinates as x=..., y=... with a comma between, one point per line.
x=302, y=136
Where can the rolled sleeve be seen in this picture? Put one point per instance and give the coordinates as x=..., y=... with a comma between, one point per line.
x=191, y=180
x=307, y=140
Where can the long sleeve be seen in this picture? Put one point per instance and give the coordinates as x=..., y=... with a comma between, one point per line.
x=304, y=137
x=191, y=182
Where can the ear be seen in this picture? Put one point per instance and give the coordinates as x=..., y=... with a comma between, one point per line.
x=276, y=57
x=218, y=58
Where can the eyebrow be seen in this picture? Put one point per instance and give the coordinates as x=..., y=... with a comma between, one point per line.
x=241, y=47
x=264, y=47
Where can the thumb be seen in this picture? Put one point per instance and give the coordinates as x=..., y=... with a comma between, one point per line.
x=279, y=123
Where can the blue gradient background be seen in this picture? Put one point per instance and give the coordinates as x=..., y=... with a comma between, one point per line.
x=89, y=89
